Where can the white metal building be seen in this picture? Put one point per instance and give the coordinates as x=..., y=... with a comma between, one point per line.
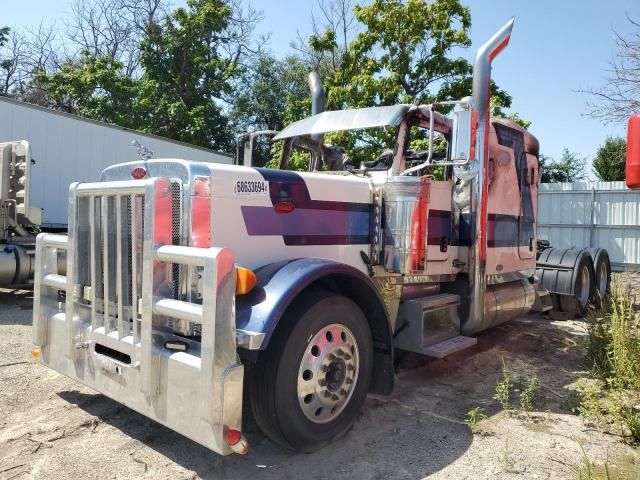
x=68, y=148
x=592, y=214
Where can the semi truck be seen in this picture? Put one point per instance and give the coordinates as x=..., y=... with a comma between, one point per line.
x=193, y=293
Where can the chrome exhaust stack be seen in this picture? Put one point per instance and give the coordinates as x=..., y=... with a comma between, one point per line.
x=317, y=106
x=478, y=251
x=317, y=93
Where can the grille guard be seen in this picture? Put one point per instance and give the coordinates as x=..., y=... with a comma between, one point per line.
x=197, y=392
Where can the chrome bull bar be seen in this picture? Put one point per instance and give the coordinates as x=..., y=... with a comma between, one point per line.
x=89, y=308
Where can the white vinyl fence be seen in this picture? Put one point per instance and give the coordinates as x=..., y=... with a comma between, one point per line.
x=592, y=214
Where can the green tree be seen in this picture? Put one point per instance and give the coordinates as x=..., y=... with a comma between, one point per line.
x=405, y=53
x=261, y=98
x=609, y=163
x=187, y=73
x=93, y=87
x=570, y=168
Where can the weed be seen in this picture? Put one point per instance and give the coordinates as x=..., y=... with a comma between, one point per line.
x=528, y=395
x=503, y=388
x=473, y=417
x=613, y=350
x=584, y=471
x=506, y=459
x=614, y=340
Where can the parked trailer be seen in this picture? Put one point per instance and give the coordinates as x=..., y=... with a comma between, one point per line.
x=35, y=173
x=189, y=286
x=68, y=148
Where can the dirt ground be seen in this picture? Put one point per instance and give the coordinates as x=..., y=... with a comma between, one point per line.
x=53, y=427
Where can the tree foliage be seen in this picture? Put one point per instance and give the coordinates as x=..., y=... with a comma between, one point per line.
x=404, y=52
x=113, y=28
x=570, y=168
x=609, y=162
x=92, y=87
x=6, y=64
x=619, y=98
x=188, y=64
x=195, y=73
x=187, y=73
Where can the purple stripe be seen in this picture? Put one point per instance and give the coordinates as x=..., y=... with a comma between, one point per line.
x=305, y=222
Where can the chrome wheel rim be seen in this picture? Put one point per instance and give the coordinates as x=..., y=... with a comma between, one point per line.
x=328, y=373
x=585, y=285
x=602, y=279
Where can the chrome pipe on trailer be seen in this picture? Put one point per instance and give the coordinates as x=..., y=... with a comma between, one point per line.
x=478, y=252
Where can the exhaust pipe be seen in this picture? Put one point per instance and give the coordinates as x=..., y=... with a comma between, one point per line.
x=317, y=106
x=478, y=253
x=317, y=93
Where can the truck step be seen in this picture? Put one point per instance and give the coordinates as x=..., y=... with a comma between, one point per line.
x=452, y=345
x=427, y=321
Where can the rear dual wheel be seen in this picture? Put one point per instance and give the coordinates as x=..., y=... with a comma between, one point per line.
x=583, y=289
x=309, y=386
x=591, y=282
x=602, y=271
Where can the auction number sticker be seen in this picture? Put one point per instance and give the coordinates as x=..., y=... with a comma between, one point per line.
x=251, y=187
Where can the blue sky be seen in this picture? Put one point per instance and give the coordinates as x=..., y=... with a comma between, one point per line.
x=556, y=47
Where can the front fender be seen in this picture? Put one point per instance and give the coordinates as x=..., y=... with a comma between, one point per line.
x=278, y=284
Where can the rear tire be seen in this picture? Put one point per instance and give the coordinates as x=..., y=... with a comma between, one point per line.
x=602, y=272
x=582, y=289
x=309, y=386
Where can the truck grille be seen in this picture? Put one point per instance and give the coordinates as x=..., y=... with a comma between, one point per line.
x=110, y=232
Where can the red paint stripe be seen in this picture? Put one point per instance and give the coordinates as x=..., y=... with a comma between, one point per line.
x=494, y=53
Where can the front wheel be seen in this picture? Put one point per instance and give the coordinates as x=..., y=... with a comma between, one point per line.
x=309, y=386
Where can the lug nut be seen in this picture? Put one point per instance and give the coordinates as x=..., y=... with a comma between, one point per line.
x=351, y=368
x=343, y=391
x=332, y=357
x=348, y=357
x=348, y=381
x=335, y=397
x=327, y=394
x=322, y=382
x=324, y=368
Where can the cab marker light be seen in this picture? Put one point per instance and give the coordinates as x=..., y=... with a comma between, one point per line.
x=245, y=280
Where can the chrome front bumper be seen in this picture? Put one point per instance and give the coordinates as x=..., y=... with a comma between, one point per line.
x=118, y=348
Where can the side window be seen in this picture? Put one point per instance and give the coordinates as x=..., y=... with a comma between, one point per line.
x=418, y=150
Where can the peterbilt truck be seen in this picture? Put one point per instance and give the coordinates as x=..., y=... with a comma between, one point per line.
x=190, y=287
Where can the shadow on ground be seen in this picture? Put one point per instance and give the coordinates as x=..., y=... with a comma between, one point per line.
x=21, y=302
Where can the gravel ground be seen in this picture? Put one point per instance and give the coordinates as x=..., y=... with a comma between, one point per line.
x=53, y=427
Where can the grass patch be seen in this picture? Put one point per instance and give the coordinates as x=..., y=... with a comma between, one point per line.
x=614, y=340
x=506, y=386
x=612, y=397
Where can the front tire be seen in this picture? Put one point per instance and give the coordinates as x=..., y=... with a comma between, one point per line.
x=309, y=386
